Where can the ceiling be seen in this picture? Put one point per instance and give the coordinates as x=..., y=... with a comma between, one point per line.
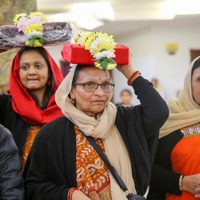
x=122, y=16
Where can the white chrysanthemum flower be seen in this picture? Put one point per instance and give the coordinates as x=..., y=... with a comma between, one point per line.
x=95, y=44
x=80, y=40
x=103, y=54
x=31, y=34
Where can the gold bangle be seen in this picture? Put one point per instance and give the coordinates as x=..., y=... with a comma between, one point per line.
x=180, y=182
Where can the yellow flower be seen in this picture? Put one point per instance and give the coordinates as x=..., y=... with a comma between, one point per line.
x=36, y=43
x=85, y=37
x=104, y=46
x=33, y=28
x=109, y=66
x=38, y=14
x=17, y=17
x=89, y=41
x=76, y=39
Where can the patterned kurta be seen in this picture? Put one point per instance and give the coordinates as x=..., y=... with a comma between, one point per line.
x=91, y=173
x=29, y=141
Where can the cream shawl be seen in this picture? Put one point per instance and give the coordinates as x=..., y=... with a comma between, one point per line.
x=183, y=111
x=104, y=128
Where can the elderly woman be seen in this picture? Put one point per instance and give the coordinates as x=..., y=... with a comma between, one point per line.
x=62, y=163
x=176, y=170
x=30, y=102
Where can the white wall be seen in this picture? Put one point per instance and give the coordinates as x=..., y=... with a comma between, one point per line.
x=141, y=44
x=151, y=58
x=55, y=52
x=171, y=69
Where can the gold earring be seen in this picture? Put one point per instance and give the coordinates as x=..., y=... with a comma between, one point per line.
x=74, y=101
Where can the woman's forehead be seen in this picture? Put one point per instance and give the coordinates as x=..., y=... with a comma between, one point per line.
x=31, y=55
x=93, y=73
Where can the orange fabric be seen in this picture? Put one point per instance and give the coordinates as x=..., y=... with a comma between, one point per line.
x=29, y=141
x=91, y=173
x=184, y=159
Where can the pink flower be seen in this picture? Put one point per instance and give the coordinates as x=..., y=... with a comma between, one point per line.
x=23, y=22
x=36, y=20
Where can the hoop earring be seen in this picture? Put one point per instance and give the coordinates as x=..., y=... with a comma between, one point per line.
x=49, y=82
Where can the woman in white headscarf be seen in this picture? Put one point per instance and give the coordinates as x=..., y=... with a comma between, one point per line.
x=176, y=169
x=63, y=165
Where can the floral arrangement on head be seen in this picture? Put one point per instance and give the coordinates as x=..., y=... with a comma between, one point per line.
x=32, y=27
x=101, y=46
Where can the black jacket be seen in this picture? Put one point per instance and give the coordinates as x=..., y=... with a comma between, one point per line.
x=50, y=170
x=11, y=180
x=13, y=121
x=163, y=179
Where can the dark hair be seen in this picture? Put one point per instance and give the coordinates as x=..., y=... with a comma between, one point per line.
x=50, y=88
x=79, y=68
x=196, y=65
x=126, y=90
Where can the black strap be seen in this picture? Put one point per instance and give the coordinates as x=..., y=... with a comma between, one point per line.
x=106, y=161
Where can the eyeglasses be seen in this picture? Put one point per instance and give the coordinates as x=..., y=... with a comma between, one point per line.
x=91, y=87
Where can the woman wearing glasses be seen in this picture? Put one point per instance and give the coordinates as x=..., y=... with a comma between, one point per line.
x=62, y=163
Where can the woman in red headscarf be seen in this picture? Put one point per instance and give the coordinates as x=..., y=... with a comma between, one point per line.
x=30, y=102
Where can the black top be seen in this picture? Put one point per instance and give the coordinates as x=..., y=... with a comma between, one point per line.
x=50, y=170
x=163, y=179
x=11, y=180
x=13, y=121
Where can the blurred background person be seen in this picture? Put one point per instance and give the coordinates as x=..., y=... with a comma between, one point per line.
x=155, y=85
x=126, y=97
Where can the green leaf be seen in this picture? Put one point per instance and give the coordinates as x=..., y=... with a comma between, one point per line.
x=111, y=61
x=103, y=50
x=97, y=60
x=104, y=59
x=32, y=42
x=41, y=40
x=104, y=65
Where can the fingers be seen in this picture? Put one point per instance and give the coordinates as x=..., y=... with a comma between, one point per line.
x=197, y=196
x=122, y=44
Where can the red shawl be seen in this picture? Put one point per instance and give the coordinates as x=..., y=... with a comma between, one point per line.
x=23, y=103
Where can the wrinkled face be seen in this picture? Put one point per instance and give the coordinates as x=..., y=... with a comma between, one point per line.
x=196, y=85
x=33, y=71
x=126, y=98
x=91, y=103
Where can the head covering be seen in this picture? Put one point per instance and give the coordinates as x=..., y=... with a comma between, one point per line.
x=102, y=127
x=184, y=111
x=23, y=103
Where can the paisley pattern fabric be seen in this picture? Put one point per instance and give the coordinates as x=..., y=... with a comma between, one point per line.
x=91, y=173
x=29, y=141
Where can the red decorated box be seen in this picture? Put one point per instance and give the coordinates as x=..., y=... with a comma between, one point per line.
x=75, y=54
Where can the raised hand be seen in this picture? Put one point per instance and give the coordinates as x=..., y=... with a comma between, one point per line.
x=127, y=70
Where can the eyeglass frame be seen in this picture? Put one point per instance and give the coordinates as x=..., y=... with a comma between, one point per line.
x=113, y=85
